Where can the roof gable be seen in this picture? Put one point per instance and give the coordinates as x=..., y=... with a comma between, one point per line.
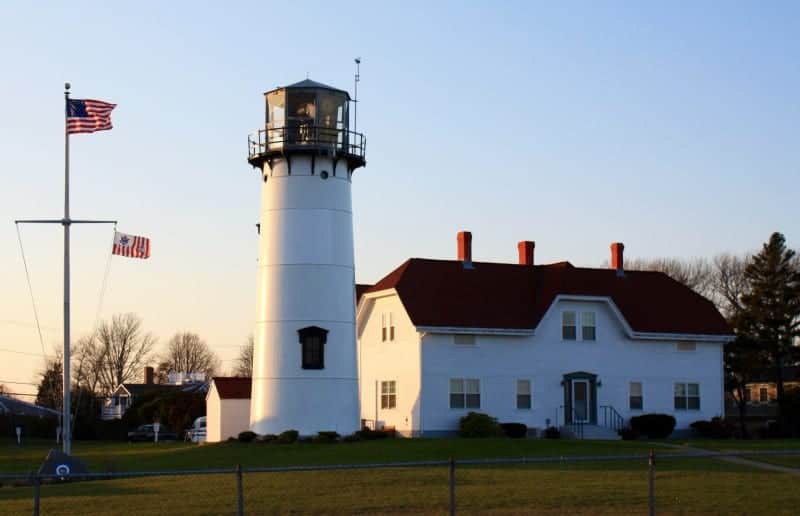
x=233, y=387
x=443, y=293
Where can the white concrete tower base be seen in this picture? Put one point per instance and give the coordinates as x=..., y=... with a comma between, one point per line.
x=305, y=279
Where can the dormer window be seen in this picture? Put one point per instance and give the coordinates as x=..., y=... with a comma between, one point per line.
x=312, y=340
x=387, y=327
x=569, y=329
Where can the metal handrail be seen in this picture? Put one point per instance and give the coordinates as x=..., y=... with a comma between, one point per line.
x=574, y=425
x=306, y=136
x=611, y=418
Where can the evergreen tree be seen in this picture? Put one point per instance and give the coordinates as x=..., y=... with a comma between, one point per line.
x=50, y=387
x=770, y=309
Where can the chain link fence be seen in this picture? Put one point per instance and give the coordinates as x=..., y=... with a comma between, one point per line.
x=449, y=479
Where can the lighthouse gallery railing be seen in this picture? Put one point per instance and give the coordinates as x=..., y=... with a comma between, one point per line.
x=306, y=137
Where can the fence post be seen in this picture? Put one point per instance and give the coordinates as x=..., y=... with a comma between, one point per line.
x=452, y=486
x=239, y=490
x=36, y=493
x=651, y=474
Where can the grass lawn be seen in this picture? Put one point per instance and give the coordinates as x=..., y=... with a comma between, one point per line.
x=740, y=445
x=122, y=456
x=683, y=486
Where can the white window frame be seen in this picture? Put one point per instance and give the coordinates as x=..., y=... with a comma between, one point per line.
x=383, y=327
x=391, y=327
x=462, y=389
x=686, y=396
x=593, y=326
x=388, y=394
x=574, y=324
x=521, y=394
x=640, y=396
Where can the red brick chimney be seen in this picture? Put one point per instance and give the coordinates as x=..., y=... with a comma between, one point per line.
x=464, y=239
x=616, y=257
x=149, y=375
x=525, y=249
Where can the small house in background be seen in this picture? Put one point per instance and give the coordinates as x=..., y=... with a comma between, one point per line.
x=13, y=407
x=762, y=396
x=125, y=394
x=227, y=408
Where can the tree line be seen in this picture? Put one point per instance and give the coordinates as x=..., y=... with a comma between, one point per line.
x=119, y=350
x=759, y=296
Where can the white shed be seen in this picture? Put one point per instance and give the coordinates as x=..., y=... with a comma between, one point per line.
x=227, y=408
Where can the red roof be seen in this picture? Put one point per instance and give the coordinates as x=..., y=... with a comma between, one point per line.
x=233, y=388
x=360, y=289
x=511, y=296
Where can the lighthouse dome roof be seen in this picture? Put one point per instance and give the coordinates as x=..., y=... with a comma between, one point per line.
x=308, y=83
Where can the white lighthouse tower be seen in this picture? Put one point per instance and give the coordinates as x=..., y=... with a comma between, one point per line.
x=305, y=374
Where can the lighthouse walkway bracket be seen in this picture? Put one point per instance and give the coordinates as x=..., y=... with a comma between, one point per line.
x=269, y=144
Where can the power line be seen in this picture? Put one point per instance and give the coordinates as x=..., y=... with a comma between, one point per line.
x=22, y=352
x=19, y=383
x=26, y=324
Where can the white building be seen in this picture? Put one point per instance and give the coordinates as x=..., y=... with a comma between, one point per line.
x=544, y=345
x=227, y=408
x=304, y=363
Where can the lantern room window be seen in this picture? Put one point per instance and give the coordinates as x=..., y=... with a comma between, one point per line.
x=312, y=340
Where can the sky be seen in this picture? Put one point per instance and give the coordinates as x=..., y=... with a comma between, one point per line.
x=671, y=127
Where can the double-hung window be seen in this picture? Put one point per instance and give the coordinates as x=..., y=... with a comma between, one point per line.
x=569, y=328
x=588, y=331
x=388, y=394
x=523, y=394
x=465, y=393
x=636, y=396
x=687, y=396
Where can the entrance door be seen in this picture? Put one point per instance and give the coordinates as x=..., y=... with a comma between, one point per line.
x=580, y=401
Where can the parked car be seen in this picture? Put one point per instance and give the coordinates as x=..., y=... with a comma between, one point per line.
x=147, y=433
x=197, y=433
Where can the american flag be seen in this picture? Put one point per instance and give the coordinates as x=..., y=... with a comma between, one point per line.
x=88, y=116
x=131, y=246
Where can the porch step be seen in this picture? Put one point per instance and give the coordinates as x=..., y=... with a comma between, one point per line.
x=591, y=432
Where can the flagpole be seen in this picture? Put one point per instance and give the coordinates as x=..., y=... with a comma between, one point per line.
x=65, y=419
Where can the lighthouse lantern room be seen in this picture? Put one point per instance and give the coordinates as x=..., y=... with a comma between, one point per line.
x=305, y=373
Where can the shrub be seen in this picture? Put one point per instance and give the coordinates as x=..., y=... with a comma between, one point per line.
x=352, y=438
x=716, y=428
x=288, y=437
x=476, y=424
x=326, y=437
x=370, y=435
x=247, y=436
x=515, y=430
x=552, y=432
x=268, y=438
x=654, y=426
x=628, y=434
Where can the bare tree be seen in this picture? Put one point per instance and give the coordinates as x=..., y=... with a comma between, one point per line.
x=88, y=359
x=244, y=362
x=729, y=283
x=126, y=349
x=695, y=273
x=187, y=353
